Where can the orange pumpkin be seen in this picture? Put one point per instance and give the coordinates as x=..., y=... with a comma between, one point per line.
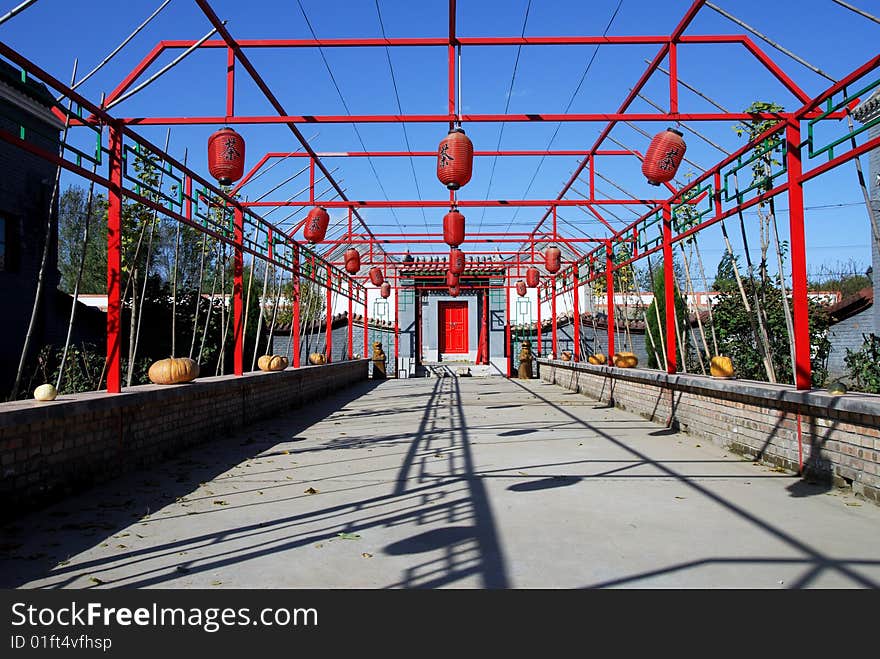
x=317, y=359
x=173, y=370
x=272, y=363
x=625, y=360
x=597, y=359
x=721, y=367
x=566, y=356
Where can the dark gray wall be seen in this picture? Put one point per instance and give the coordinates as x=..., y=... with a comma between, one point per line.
x=316, y=342
x=848, y=334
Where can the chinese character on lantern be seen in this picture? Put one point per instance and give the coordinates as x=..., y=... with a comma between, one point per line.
x=230, y=152
x=445, y=158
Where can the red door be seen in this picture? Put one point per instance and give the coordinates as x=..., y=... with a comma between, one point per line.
x=453, y=323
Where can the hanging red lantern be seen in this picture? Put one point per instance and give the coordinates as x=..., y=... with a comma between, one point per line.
x=226, y=156
x=376, y=277
x=352, y=261
x=385, y=289
x=316, y=224
x=454, y=290
x=533, y=276
x=451, y=278
x=521, y=288
x=455, y=159
x=552, y=260
x=453, y=228
x=456, y=261
x=664, y=156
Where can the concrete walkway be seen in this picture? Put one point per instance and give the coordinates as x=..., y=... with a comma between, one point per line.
x=457, y=483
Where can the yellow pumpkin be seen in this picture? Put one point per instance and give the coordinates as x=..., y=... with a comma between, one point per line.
x=721, y=367
x=272, y=363
x=625, y=360
x=317, y=358
x=45, y=392
x=174, y=370
x=837, y=388
x=598, y=359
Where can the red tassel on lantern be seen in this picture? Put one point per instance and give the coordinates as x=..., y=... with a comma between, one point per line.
x=376, y=277
x=453, y=228
x=455, y=159
x=316, y=224
x=385, y=289
x=456, y=261
x=226, y=156
x=454, y=290
x=352, y=261
x=552, y=260
x=533, y=276
x=521, y=288
x=451, y=278
x=664, y=156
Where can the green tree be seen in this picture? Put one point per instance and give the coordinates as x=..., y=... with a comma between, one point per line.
x=71, y=224
x=864, y=364
x=653, y=344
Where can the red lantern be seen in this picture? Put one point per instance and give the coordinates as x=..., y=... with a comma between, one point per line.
x=451, y=278
x=316, y=224
x=456, y=261
x=552, y=260
x=455, y=159
x=533, y=276
x=521, y=288
x=454, y=290
x=385, y=289
x=376, y=277
x=352, y=261
x=226, y=156
x=664, y=156
x=453, y=228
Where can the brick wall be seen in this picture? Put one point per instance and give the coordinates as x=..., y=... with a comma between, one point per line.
x=840, y=435
x=50, y=449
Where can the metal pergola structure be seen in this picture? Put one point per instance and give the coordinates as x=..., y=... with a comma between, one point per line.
x=656, y=231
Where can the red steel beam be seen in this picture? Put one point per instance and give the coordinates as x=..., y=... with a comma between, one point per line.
x=537, y=117
x=442, y=203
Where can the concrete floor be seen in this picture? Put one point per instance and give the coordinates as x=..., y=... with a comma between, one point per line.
x=451, y=483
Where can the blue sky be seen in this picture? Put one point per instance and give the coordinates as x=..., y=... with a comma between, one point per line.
x=827, y=35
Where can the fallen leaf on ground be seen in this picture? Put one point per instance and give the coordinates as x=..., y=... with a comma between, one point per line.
x=366, y=555
x=348, y=536
x=220, y=502
x=95, y=580
x=216, y=583
x=311, y=490
x=681, y=497
x=852, y=503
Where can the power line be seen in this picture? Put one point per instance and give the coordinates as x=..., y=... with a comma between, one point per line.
x=345, y=105
x=568, y=106
x=400, y=111
x=506, y=108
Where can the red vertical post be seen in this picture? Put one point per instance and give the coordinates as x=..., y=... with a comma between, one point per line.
x=329, y=317
x=350, y=325
x=609, y=299
x=576, y=313
x=673, y=78
x=484, y=349
x=669, y=292
x=553, y=318
x=396, y=325
x=230, y=82
x=114, y=262
x=450, y=53
x=509, y=350
x=366, y=325
x=800, y=308
x=538, y=328
x=237, y=293
x=294, y=328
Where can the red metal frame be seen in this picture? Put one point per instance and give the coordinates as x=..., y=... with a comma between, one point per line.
x=526, y=253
